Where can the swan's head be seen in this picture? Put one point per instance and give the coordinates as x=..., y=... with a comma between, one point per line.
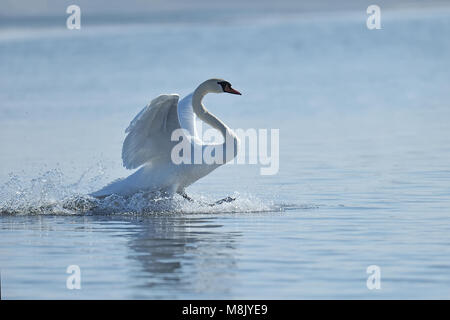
x=226, y=87
x=220, y=86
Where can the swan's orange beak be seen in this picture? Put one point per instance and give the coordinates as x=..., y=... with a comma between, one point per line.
x=231, y=90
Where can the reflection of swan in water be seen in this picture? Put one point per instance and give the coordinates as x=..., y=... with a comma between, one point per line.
x=143, y=257
x=149, y=144
x=182, y=256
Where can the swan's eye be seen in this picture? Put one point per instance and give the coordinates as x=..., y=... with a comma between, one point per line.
x=223, y=84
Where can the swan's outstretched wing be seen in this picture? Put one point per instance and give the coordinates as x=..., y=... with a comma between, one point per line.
x=150, y=131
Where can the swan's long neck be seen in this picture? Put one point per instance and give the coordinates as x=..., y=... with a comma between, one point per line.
x=206, y=116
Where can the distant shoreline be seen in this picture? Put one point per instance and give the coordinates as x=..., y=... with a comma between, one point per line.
x=196, y=15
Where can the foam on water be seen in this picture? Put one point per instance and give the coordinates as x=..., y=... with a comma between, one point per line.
x=50, y=194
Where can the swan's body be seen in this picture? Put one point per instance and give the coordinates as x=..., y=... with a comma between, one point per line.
x=148, y=144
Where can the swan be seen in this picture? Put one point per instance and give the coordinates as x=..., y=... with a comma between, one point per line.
x=148, y=144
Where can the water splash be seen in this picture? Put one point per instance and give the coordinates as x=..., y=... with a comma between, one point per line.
x=49, y=194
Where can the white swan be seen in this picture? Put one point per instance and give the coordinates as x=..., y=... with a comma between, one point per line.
x=149, y=145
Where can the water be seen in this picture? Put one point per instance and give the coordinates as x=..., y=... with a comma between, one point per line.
x=364, y=152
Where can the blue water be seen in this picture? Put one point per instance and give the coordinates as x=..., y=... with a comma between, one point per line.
x=364, y=175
